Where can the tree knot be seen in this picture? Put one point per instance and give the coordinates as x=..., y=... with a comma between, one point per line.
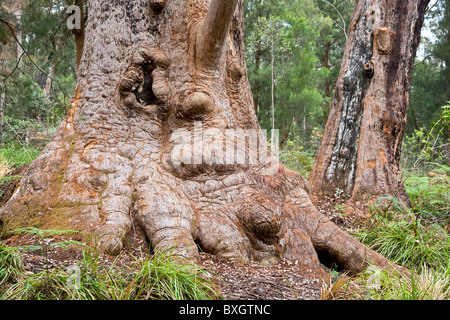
x=261, y=219
x=144, y=87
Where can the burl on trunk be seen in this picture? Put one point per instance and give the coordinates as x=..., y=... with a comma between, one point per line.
x=162, y=97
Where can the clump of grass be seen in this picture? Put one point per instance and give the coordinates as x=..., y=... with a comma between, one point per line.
x=162, y=278
x=429, y=284
x=10, y=264
x=342, y=288
x=38, y=286
x=387, y=284
x=156, y=277
x=405, y=238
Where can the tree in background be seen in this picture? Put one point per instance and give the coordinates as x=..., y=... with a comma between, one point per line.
x=430, y=90
x=361, y=146
x=331, y=44
x=297, y=75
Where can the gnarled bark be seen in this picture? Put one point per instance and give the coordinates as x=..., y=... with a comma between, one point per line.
x=145, y=143
x=361, y=146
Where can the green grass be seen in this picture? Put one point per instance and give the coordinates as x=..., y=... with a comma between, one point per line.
x=10, y=264
x=430, y=194
x=407, y=241
x=157, y=277
x=297, y=160
x=16, y=155
x=414, y=238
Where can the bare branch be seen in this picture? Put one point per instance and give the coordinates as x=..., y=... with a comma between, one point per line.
x=343, y=27
x=10, y=27
x=212, y=33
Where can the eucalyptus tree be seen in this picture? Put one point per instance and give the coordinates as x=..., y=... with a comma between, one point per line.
x=162, y=136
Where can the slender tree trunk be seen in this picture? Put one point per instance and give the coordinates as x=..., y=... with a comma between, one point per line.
x=327, y=82
x=18, y=16
x=161, y=93
x=361, y=145
x=79, y=34
x=2, y=108
x=256, y=82
x=47, y=90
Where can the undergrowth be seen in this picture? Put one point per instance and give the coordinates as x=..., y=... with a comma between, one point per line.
x=415, y=238
x=156, y=277
x=16, y=155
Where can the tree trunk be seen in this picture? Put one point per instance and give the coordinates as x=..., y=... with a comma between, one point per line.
x=47, y=90
x=361, y=145
x=18, y=16
x=327, y=82
x=256, y=82
x=158, y=89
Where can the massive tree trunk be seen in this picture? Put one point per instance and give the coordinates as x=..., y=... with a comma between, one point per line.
x=361, y=145
x=162, y=94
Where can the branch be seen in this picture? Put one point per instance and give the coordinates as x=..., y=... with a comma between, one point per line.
x=344, y=27
x=15, y=68
x=212, y=33
x=422, y=61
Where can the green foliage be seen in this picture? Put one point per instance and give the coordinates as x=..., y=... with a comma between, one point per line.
x=10, y=264
x=428, y=145
x=430, y=85
x=429, y=195
x=295, y=158
x=19, y=130
x=405, y=237
x=17, y=155
x=50, y=54
x=294, y=27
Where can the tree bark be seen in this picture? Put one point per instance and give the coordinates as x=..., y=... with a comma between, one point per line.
x=150, y=93
x=361, y=146
x=447, y=18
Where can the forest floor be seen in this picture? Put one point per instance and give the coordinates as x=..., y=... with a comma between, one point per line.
x=284, y=281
